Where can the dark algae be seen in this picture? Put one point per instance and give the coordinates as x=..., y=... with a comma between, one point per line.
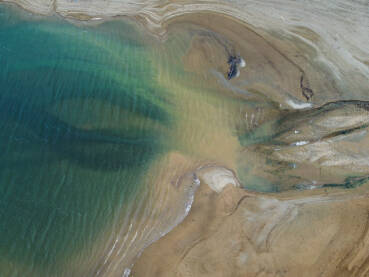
x=351, y=182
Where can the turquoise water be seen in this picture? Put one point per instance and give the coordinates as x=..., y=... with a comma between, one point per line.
x=80, y=121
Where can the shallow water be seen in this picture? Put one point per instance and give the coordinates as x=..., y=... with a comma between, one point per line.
x=99, y=124
x=91, y=118
x=79, y=127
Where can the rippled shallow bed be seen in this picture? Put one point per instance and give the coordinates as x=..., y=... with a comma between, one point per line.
x=92, y=116
x=239, y=140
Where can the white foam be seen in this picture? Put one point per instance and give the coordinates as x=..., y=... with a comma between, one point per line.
x=298, y=106
x=196, y=180
x=126, y=272
x=299, y=143
x=242, y=63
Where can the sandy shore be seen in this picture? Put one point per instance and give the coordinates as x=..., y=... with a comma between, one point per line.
x=232, y=232
x=229, y=231
x=340, y=45
x=236, y=233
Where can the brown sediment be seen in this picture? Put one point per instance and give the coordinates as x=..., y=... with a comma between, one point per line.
x=280, y=65
x=278, y=58
x=115, y=250
x=311, y=233
x=321, y=232
x=206, y=52
x=322, y=146
x=237, y=233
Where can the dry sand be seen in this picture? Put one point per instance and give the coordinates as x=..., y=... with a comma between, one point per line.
x=236, y=233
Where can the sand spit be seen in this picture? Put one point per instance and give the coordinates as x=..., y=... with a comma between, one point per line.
x=237, y=233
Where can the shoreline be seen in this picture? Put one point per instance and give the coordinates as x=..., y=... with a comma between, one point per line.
x=343, y=74
x=247, y=232
x=154, y=14
x=230, y=200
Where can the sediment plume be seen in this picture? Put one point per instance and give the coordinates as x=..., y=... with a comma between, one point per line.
x=313, y=83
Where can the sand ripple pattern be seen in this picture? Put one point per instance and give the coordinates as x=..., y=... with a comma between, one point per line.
x=341, y=45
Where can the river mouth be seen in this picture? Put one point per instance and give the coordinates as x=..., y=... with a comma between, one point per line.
x=101, y=123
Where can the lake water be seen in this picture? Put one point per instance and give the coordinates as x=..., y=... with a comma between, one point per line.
x=96, y=123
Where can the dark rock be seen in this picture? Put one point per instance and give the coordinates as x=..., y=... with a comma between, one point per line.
x=306, y=91
x=233, y=62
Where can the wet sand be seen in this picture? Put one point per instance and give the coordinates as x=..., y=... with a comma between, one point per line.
x=237, y=233
x=230, y=231
x=241, y=233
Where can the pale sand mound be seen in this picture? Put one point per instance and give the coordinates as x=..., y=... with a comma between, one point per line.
x=235, y=233
x=218, y=178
